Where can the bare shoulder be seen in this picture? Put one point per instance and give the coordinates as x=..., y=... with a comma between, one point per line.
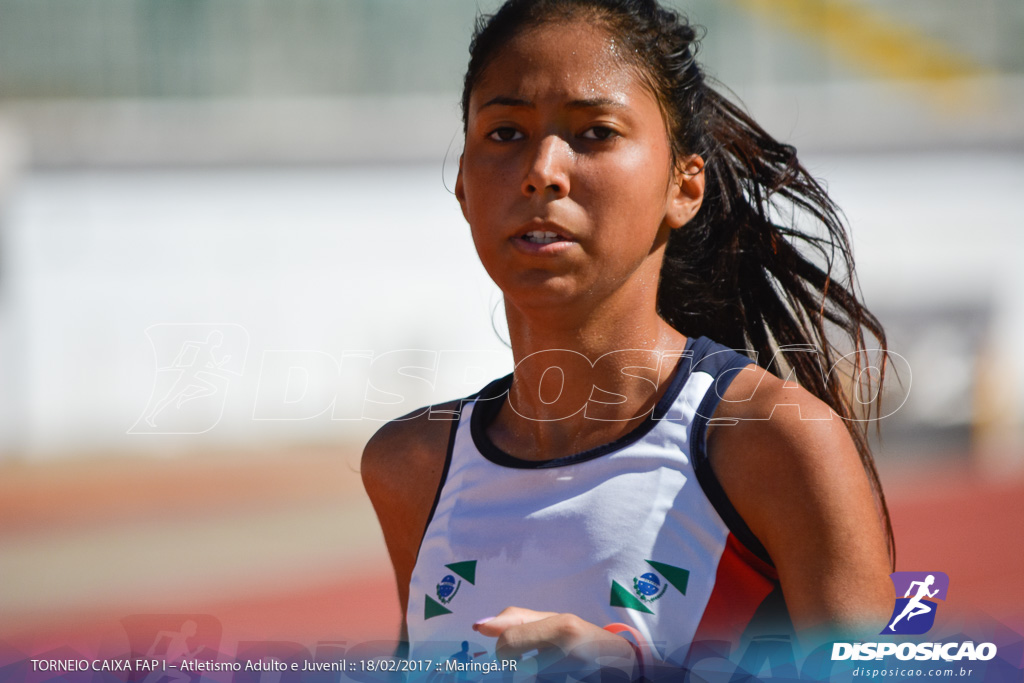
x=401, y=468
x=404, y=449
x=782, y=417
x=792, y=471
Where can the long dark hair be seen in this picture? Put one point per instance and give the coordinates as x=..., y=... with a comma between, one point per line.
x=741, y=272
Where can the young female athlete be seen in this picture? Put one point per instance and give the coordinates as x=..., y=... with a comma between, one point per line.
x=633, y=480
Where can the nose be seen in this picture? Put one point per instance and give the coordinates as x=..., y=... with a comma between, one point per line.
x=549, y=168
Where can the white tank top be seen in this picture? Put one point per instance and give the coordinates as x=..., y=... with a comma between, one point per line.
x=637, y=531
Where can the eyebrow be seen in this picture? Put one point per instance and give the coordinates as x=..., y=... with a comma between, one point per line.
x=591, y=103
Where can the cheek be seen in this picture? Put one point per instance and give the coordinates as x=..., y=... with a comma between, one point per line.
x=483, y=183
x=635, y=185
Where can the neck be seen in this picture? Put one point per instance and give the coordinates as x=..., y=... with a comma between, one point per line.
x=583, y=380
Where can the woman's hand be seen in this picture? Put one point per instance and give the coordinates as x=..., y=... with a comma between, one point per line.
x=563, y=642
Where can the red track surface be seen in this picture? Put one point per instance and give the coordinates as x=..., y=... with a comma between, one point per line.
x=954, y=522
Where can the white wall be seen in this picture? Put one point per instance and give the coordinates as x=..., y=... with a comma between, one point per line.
x=372, y=259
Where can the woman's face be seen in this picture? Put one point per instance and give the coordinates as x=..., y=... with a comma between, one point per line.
x=567, y=179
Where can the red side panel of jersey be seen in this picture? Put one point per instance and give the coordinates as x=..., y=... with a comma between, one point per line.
x=742, y=582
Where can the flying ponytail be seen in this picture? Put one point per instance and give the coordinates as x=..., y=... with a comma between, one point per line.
x=739, y=276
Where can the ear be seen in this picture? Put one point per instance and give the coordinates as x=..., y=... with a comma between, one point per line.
x=687, y=191
x=460, y=191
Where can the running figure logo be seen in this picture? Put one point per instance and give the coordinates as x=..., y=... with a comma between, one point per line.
x=914, y=613
x=195, y=364
x=172, y=639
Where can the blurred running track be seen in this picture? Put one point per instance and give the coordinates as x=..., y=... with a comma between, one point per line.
x=285, y=547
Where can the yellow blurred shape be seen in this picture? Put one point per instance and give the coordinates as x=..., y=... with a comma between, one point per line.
x=869, y=40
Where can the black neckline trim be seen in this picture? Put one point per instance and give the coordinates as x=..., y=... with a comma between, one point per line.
x=492, y=397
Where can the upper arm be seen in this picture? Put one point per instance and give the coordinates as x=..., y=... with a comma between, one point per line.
x=792, y=471
x=401, y=468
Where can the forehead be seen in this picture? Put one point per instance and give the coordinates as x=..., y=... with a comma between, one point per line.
x=571, y=59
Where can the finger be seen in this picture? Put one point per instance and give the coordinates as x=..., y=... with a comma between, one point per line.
x=510, y=616
x=541, y=646
x=554, y=632
x=569, y=638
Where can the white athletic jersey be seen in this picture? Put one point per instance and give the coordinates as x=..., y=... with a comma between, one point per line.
x=637, y=531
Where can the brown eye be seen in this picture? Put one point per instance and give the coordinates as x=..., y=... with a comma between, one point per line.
x=599, y=133
x=505, y=134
